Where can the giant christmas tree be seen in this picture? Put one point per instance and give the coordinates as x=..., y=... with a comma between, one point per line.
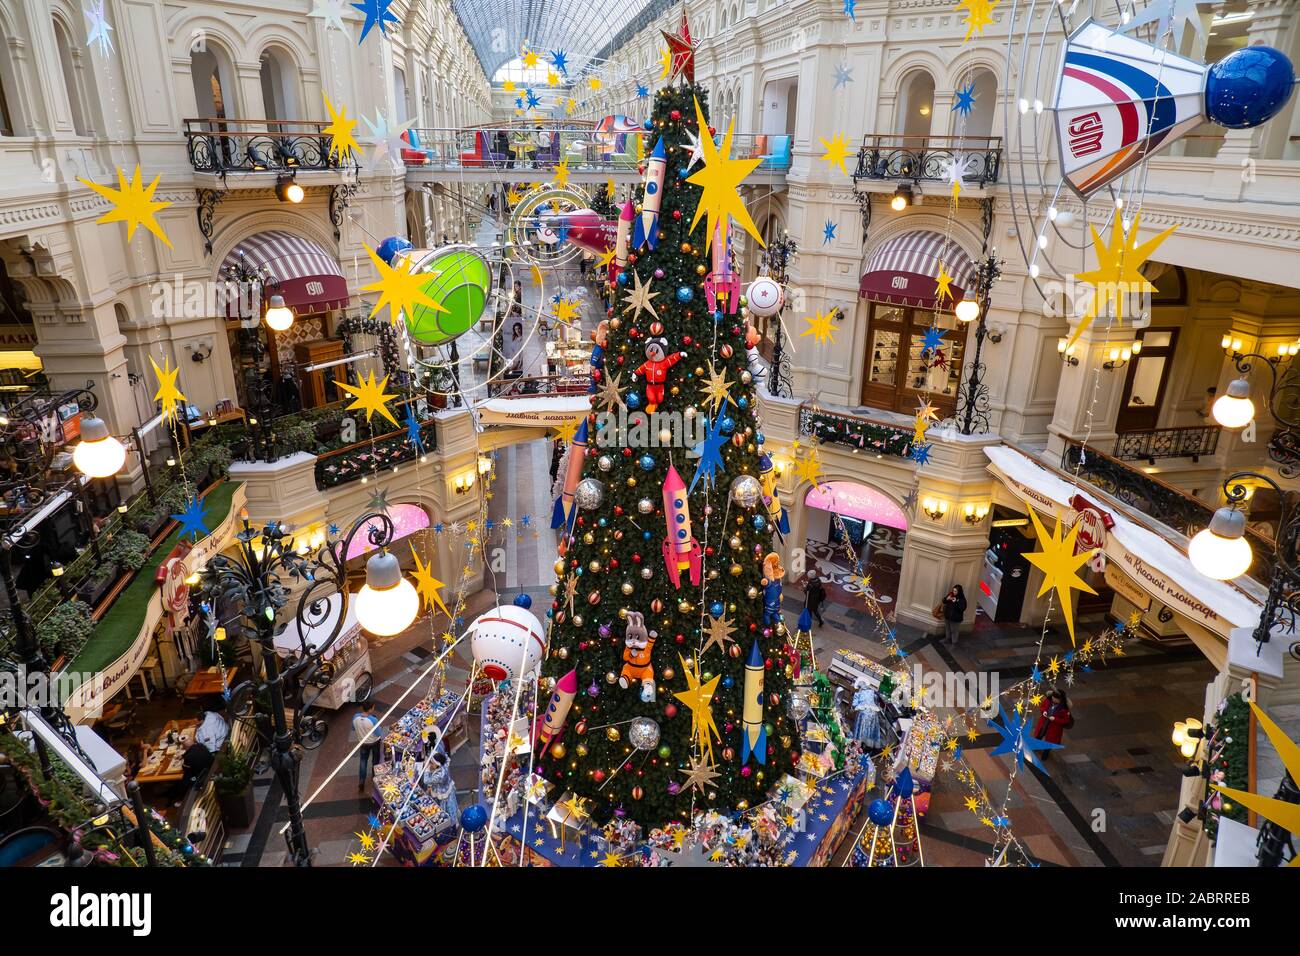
x=665, y=625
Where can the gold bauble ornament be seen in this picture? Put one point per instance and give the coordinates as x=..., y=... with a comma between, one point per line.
x=631, y=481
x=559, y=566
x=562, y=653
x=628, y=587
x=580, y=750
x=594, y=566
x=735, y=541
x=612, y=734
x=669, y=673
x=577, y=620
x=686, y=248
x=713, y=574
x=736, y=572
x=684, y=607
x=558, y=750
x=752, y=592
x=610, y=677
x=588, y=538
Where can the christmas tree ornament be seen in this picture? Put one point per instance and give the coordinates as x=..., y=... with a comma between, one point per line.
x=765, y=297
x=746, y=491
x=589, y=494
x=646, y=228
x=638, y=650
x=681, y=550
x=643, y=734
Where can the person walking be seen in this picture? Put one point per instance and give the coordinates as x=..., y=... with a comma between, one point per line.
x=814, y=598
x=952, y=609
x=366, y=726
x=1054, y=719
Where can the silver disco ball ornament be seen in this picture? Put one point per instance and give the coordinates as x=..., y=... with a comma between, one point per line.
x=643, y=734
x=604, y=462
x=645, y=506
x=589, y=494
x=746, y=491
x=800, y=705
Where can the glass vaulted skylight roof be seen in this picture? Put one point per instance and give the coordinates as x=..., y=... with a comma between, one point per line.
x=579, y=30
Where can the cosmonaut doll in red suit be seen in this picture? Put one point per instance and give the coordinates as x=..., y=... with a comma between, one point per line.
x=655, y=370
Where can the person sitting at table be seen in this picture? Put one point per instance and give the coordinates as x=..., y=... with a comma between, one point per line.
x=194, y=764
x=212, y=730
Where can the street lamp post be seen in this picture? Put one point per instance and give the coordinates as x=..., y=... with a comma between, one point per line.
x=253, y=580
x=973, y=396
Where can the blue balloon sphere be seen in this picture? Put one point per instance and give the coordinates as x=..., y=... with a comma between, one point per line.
x=392, y=247
x=474, y=818
x=685, y=293
x=1248, y=87
x=523, y=601
x=880, y=812
x=647, y=462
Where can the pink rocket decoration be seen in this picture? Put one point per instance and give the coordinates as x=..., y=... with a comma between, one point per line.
x=681, y=550
x=722, y=285
x=622, y=241
x=586, y=230
x=551, y=724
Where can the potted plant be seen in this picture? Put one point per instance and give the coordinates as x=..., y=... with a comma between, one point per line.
x=234, y=786
x=66, y=628
x=128, y=549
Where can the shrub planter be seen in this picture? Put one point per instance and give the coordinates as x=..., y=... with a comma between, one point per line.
x=95, y=590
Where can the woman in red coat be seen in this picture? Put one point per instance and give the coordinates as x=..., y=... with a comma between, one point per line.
x=1053, y=719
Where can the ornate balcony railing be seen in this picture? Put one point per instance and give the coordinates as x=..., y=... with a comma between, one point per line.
x=855, y=431
x=258, y=145
x=357, y=461
x=929, y=158
x=1152, y=443
x=1157, y=500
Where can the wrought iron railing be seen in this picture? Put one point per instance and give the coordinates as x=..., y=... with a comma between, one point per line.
x=1152, y=443
x=855, y=431
x=930, y=158
x=250, y=146
x=1157, y=500
x=371, y=458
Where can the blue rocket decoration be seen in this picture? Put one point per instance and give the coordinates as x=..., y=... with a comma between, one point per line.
x=753, y=735
x=645, y=230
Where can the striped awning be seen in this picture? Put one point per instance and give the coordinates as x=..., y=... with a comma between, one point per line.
x=308, y=277
x=904, y=270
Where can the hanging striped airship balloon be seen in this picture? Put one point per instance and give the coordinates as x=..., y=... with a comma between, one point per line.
x=1118, y=100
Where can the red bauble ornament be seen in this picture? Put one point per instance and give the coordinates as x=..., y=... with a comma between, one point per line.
x=677, y=214
x=670, y=710
x=675, y=114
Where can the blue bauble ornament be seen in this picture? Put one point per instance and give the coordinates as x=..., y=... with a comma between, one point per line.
x=727, y=681
x=880, y=812
x=649, y=124
x=1248, y=87
x=716, y=608
x=646, y=535
x=603, y=522
x=759, y=522
x=728, y=424
x=474, y=818
x=392, y=247
x=685, y=293
x=717, y=316
x=758, y=437
x=622, y=278
x=647, y=462
x=632, y=399
x=742, y=402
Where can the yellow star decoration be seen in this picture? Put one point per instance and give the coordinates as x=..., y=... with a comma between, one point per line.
x=1060, y=566
x=605, y=258
x=399, y=288
x=508, y=86
x=570, y=105
x=809, y=467
x=565, y=311
x=342, y=143
x=562, y=175
x=720, y=181
x=512, y=197
x=972, y=804
x=1286, y=815
x=369, y=396
x=530, y=58
x=665, y=61
x=820, y=328
x=133, y=203
x=367, y=840
x=699, y=698
x=594, y=82
x=566, y=431
x=837, y=150
x=535, y=275
x=979, y=14
x=1118, y=273
x=717, y=390
x=168, y=391
x=357, y=859
x=943, y=284
x=610, y=188
x=427, y=585
x=552, y=78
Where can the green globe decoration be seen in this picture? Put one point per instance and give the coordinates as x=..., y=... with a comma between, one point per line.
x=459, y=280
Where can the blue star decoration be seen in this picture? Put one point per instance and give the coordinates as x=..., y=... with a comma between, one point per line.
x=526, y=521
x=710, y=452
x=828, y=232
x=933, y=339
x=965, y=100
x=921, y=453
x=413, y=429
x=843, y=75
x=851, y=10
x=561, y=61
x=1018, y=740
x=519, y=102
x=533, y=100
x=642, y=91
x=377, y=14
x=193, y=519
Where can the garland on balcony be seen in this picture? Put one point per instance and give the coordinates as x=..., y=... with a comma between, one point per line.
x=856, y=433
x=385, y=332
x=1229, y=762
x=382, y=453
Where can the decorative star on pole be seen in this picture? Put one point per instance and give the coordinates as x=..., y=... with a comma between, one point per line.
x=699, y=775
x=1060, y=566
x=719, y=182
x=377, y=14
x=1015, y=730
x=699, y=698
x=133, y=204
x=837, y=150
x=681, y=53
x=720, y=631
x=843, y=74
x=610, y=395
x=333, y=13
x=168, y=392
x=820, y=328
x=343, y=143
x=1119, y=270
x=399, y=288
x=638, y=298
x=193, y=519
x=697, y=150
x=98, y=29
x=379, y=501
x=369, y=396
x=429, y=587
x=413, y=429
x=932, y=340
x=943, y=284
x=710, y=452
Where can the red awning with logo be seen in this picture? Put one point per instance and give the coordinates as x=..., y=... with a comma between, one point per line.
x=904, y=270
x=308, y=277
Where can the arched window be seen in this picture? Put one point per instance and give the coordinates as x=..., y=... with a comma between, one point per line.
x=279, y=85
x=214, y=86
x=7, y=125
x=68, y=65
x=979, y=121
x=915, y=106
